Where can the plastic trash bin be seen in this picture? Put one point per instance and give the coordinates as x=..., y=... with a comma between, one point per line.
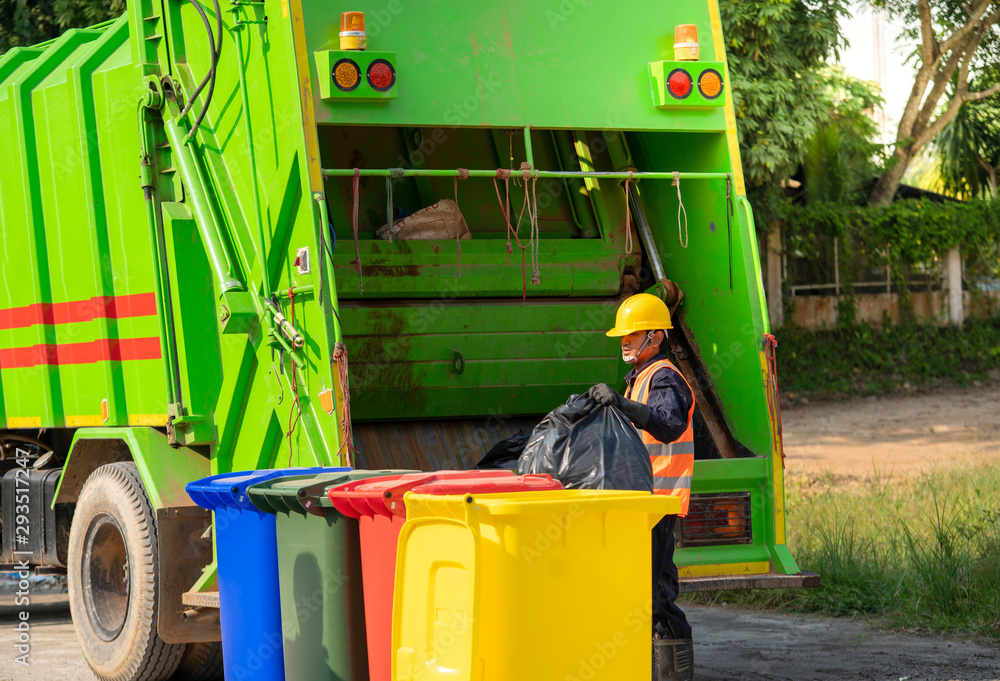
x=378, y=505
x=550, y=585
x=247, y=561
x=319, y=576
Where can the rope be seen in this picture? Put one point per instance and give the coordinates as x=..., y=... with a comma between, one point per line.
x=463, y=174
x=774, y=406
x=505, y=176
x=340, y=359
x=505, y=207
x=357, y=251
x=628, y=217
x=536, y=277
x=682, y=233
x=533, y=235
x=292, y=384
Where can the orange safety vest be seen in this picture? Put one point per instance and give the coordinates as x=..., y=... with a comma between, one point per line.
x=673, y=462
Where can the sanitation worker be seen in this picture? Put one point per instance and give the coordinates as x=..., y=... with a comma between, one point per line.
x=659, y=402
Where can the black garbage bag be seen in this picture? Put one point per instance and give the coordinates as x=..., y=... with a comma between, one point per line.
x=505, y=454
x=586, y=446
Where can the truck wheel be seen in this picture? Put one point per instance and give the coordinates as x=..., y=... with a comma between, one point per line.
x=113, y=579
x=201, y=662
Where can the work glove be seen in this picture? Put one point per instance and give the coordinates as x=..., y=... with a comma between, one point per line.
x=604, y=395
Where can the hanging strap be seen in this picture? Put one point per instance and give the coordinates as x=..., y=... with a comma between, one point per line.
x=505, y=211
x=293, y=414
x=628, y=216
x=346, y=432
x=463, y=174
x=774, y=406
x=534, y=233
x=388, y=206
x=682, y=232
x=357, y=250
x=394, y=174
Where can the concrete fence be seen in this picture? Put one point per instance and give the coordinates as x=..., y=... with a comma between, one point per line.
x=951, y=305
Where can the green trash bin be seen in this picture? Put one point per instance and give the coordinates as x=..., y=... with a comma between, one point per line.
x=319, y=576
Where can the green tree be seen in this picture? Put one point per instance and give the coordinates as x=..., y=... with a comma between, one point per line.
x=26, y=22
x=968, y=149
x=954, y=39
x=840, y=155
x=776, y=50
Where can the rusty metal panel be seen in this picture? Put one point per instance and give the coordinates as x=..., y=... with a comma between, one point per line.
x=184, y=548
x=770, y=581
x=434, y=445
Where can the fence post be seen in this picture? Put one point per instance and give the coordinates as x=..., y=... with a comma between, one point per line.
x=775, y=306
x=955, y=312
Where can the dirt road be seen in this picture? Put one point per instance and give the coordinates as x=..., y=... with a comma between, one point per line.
x=893, y=435
x=750, y=646
x=731, y=644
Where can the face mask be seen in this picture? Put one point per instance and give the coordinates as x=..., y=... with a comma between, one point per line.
x=635, y=358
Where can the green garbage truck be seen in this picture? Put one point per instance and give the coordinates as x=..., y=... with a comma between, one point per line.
x=272, y=233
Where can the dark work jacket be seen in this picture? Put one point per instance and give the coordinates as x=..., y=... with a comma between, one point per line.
x=669, y=402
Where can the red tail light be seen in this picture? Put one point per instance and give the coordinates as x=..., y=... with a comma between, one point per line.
x=680, y=83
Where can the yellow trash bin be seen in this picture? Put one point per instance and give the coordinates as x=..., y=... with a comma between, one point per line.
x=553, y=586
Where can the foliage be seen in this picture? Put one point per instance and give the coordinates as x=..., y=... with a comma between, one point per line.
x=912, y=233
x=839, y=156
x=946, y=17
x=857, y=359
x=776, y=49
x=27, y=22
x=917, y=553
x=968, y=148
x=953, y=42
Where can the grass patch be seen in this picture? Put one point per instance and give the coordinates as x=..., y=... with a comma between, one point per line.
x=918, y=553
x=858, y=359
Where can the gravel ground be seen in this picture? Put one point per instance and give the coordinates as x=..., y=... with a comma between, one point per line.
x=729, y=644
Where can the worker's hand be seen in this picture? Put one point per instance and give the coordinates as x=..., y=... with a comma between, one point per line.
x=604, y=395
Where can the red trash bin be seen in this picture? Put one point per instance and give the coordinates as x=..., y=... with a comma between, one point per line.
x=378, y=506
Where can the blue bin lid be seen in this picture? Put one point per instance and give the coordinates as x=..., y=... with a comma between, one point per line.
x=228, y=490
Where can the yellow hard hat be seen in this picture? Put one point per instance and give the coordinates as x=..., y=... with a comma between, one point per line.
x=641, y=312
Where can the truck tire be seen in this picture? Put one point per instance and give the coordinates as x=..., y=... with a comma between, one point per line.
x=201, y=662
x=113, y=578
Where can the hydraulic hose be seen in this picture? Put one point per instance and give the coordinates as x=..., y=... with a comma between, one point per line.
x=215, y=46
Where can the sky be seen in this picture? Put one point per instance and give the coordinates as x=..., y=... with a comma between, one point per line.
x=859, y=61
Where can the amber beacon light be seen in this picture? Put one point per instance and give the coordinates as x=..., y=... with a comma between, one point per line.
x=352, y=31
x=685, y=42
x=710, y=83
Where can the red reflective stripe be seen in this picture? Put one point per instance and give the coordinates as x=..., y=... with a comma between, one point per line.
x=100, y=350
x=98, y=307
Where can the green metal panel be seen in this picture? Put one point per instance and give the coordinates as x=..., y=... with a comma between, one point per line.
x=547, y=63
x=661, y=71
x=164, y=469
x=79, y=323
x=357, y=64
x=466, y=359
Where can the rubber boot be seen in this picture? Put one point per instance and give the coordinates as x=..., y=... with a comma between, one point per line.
x=673, y=659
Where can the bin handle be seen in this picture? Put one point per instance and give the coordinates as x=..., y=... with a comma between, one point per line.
x=657, y=505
